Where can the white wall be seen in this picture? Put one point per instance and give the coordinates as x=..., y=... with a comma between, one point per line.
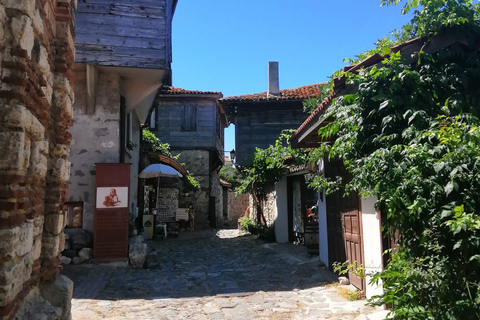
x=322, y=228
x=372, y=245
x=281, y=221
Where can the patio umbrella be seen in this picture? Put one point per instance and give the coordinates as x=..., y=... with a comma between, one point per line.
x=159, y=170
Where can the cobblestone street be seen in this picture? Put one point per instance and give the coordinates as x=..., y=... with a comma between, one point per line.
x=213, y=275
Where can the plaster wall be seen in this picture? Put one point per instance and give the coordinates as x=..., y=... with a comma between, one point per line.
x=281, y=220
x=95, y=139
x=372, y=245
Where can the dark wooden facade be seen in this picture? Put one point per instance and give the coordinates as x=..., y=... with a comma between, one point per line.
x=260, y=118
x=127, y=33
x=189, y=121
x=259, y=126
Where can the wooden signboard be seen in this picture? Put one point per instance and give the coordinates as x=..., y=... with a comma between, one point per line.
x=110, y=241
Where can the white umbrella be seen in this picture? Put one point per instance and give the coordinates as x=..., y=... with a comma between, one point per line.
x=159, y=170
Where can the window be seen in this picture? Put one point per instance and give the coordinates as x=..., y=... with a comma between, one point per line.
x=74, y=214
x=189, y=118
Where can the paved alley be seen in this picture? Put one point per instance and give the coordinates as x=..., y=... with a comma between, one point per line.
x=213, y=275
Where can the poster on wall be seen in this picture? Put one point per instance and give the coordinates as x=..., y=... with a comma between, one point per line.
x=112, y=197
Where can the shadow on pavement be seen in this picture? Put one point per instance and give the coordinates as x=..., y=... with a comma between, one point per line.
x=203, y=263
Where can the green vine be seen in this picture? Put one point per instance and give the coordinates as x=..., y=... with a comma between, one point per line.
x=271, y=164
x=190, y=182
x=410, y=135
x=157, y=145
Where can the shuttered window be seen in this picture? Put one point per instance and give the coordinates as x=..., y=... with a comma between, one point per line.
x=189, y=117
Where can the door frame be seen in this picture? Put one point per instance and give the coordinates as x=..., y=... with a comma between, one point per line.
x=290, y=181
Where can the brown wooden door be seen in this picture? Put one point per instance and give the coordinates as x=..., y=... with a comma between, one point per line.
x=353, y=244
x=343, y=224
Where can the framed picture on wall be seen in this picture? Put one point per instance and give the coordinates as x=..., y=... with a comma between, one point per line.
x=112, y=197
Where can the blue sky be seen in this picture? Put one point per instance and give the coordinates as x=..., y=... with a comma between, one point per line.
x=225, y=45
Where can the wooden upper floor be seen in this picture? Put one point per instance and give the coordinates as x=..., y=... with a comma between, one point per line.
x=125, y=33
x=188, y=119
x=260, y=118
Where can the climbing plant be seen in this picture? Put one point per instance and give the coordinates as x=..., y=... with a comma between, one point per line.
x=410, y=136
x=157, y=145
x=230, y=174
x=190, y=182
x=269, y=165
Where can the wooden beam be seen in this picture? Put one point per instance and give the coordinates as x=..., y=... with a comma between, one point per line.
x=91, y=92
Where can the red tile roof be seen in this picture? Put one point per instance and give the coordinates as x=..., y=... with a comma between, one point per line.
x=225, y=183
x=300, y=93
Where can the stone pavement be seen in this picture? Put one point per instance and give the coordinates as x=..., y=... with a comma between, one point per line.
x=213, y=275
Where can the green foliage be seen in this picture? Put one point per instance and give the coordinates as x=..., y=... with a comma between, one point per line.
x=343, y=268
x=270, y=165
x=410, y=135
x=311, y=104
x=430, y=16
x=267, y=233
x=157, y=145
x=230, y=174
x=248, y=225
x=354, y=295
x=191, y=183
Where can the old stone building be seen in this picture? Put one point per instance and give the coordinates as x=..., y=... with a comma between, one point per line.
x=193, y=124
x=259, y=120
x=123, y=55
x=36, y=96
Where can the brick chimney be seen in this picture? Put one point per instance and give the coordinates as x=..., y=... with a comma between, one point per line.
x=273, y=84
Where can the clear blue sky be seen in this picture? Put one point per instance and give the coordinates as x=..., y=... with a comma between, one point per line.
x=225, y=45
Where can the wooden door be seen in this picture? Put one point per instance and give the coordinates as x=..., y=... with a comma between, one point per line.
x=344, y=224
x=353, y=244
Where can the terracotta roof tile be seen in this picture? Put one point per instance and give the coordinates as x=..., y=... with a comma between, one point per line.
x=300, y=93
x=225, y=183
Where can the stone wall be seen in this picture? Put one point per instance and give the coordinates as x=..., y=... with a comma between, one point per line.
x=95, y=139
x=269, y=206
x=36, y=96
x=237, y=207
x=197, y=162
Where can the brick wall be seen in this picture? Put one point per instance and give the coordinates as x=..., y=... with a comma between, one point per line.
x=36, y=59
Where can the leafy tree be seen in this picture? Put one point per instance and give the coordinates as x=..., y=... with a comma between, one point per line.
x=410, y=136
x=269, y=166
x=230, y=174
